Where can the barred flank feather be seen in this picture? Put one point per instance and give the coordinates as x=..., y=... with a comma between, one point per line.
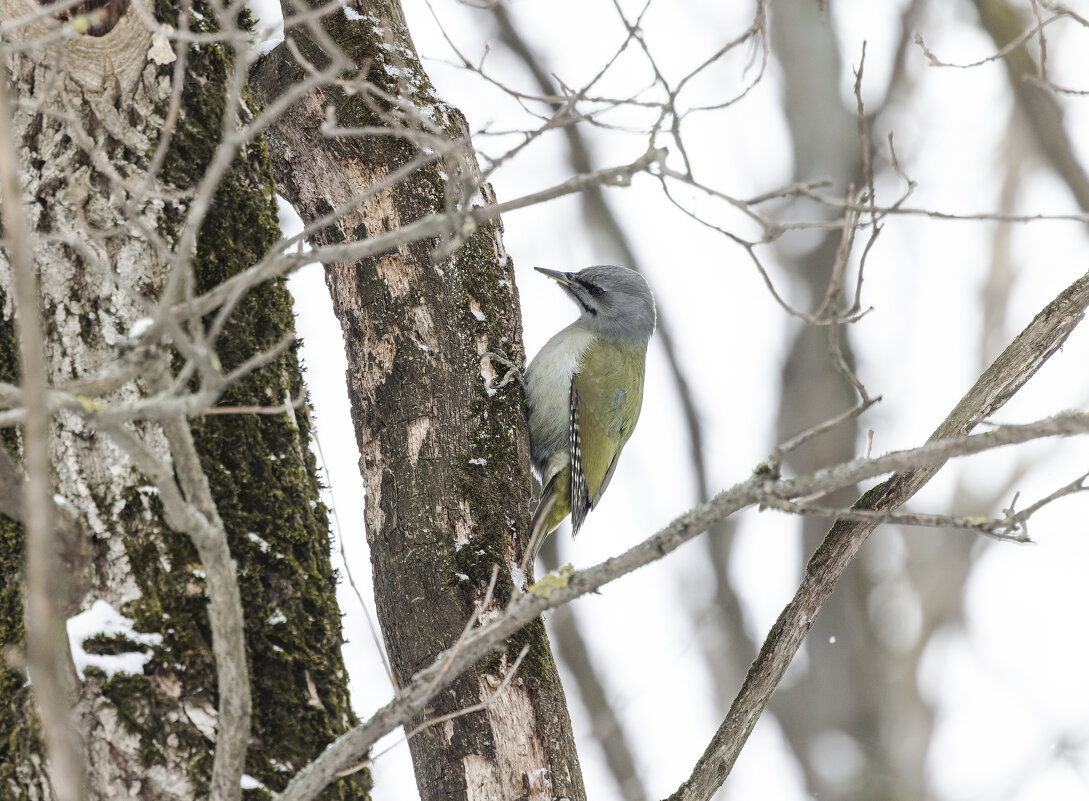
x=598, y=362
x=580, y=496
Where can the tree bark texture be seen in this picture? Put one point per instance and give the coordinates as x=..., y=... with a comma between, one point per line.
x=444, y=460
x=100, y=107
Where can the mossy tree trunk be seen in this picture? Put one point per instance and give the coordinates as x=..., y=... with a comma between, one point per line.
x=93, y=106
x=444, y=460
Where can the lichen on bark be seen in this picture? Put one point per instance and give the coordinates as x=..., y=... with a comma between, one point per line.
x=262, y=474
x=16, y=738
x=444, y=457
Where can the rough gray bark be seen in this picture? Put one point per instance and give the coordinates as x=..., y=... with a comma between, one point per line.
x=444, y=460
x=90, y=111
x=80, y=288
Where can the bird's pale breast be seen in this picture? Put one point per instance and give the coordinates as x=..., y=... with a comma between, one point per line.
x=548, y=396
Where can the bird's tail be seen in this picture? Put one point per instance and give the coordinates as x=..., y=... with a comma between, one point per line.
x=554, y=506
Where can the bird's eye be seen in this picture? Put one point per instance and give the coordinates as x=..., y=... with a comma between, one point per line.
x=596, y=291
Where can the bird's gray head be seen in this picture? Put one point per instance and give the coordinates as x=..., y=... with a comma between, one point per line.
x=615, y=301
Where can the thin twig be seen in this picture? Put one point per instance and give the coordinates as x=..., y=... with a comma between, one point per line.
x=1006, y=375
x=224, y=598
x=803, y=437
x=371, y=624
x=477, y=642
x=298, y=402
x=480, y=706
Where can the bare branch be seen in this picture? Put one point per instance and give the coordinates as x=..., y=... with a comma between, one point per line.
x=1008, y=373
x=1008, y=528
x=1025, y=36
x=46, y=640
x=371, y=624
x=276, y=264
x=194, y=512
x=800, y=439
x=298, y=402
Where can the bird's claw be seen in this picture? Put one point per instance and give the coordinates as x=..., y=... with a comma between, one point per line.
x=498, y=357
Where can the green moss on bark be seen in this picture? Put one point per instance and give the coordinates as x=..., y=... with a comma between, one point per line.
x=264, y=482
x=146, y=713
x=16, y=740
x=486, y=470
x=18, y=734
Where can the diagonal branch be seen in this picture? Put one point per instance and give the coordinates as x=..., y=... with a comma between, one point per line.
x=561, y=587
x=1007, y=374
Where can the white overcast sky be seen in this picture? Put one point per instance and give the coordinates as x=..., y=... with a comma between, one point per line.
x=1017, y=675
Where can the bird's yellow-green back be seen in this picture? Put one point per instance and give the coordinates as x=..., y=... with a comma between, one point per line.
x=606, y=396
x=584, y=391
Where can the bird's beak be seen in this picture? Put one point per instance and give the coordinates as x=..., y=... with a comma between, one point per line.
x=555, y=275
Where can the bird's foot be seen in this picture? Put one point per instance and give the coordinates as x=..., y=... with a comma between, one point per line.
x=512, y=371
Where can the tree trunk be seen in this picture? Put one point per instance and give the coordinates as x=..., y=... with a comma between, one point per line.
x=444, y=459
x=94, y=106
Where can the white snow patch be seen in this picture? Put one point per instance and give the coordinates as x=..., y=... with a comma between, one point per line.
x=479, y=461
x=270, y=24
x=139, y=328
x=247, y=782
x=269, y=37
x=518, y=576
x=65, y=504
x=102, y=618
x=276, y=618
x=259, y=541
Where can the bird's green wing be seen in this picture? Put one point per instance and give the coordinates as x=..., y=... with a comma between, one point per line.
x=606, y=395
